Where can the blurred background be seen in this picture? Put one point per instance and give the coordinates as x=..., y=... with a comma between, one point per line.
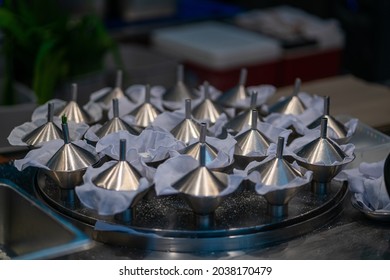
x=47, y=44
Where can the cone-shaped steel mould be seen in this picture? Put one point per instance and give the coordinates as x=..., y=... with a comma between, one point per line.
x=202, y=188
x=340, y=130
x=116, y=92
x=188, y=128
x=122, y=176
x=179, y=91
x=243, y=119
x=146, y=113
x=324, y=157
x=44, y=133
x=68, y=165
x=235, y=94
x=290, y=105
x=207, y=109
x=278, y=172
x=73, y=111
x=194, y=149
x=251, y=141
x=115, y=124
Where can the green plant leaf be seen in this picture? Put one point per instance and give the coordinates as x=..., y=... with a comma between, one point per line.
x=9, y=24
x=50, y=68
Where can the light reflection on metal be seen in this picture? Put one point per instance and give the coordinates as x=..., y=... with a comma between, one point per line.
x=243, y=119
x=207, y=109
x=201, y=188
x=290, y=105
x=116, y=92
x=235, y=94
x=115, y=124
x=278, y=172
x=46, y=132
x=338, y=128
x=322, y=150
x=324, y=157
x=69, y=163
x=73, y=111
x=146, y=113
x=195, y=148
x=252, y=140
x=179, y=91
x=188, y=128
x=122, y=176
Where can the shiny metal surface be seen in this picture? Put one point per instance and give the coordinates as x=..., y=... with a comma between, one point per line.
x=115, y=124
x=146, y=113
x=339, y=128
x=320, y=156
x=194, y=149
x=252, y=140
x=29, y=230
x=116, y=92
x=292, y=104
x=207, y=109
x=380, y=216
x=46, y=132
x=278, y=172
x=167, y=223
x=179, y=91
x=68, y=164
x=242, y=230
x=237, y=93
x=322, y=150
x=188, y=128
x=201, y=188
x=122, y=176
x=73, y=111
x=243, y=119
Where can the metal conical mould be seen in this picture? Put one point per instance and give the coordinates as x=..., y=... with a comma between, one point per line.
x=115, y=124
x=44, y=133
x=202, y=188
x=146, y=113
x=251, y=141
x=236, y=94
x=116, y=92
x=339, y=129
x=69, y=163
x=322, y=150
x=188, y=128
x=207, y=109
x=243, y=119
x=180, y=90
x=278, y=172
x=324, y=157
x=73, y=111
x=292, y=104
x=194, y=149
x=121, y=176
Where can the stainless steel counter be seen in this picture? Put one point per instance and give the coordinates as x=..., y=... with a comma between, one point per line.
x=350, y=236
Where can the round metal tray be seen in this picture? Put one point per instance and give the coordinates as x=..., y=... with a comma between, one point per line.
x=380, y=216
x=166, y=223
